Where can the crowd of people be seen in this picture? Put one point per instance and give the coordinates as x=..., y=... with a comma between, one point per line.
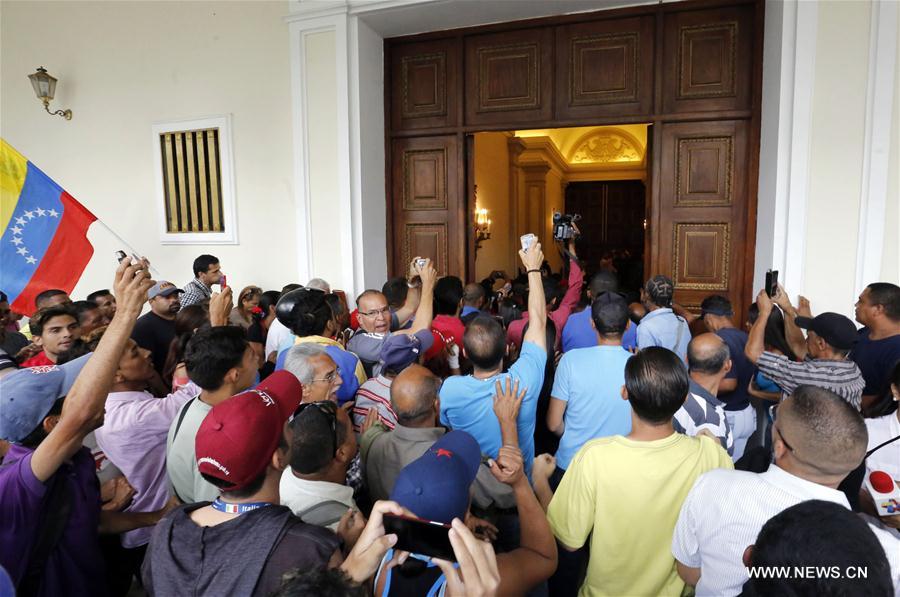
x=559, y=436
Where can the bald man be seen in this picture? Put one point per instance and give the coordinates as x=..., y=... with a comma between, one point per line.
x=702, y=413
x=414, y=398
x=818, y=438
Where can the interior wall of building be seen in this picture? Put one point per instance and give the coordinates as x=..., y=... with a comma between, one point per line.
x=492, y=179
x=123, y=66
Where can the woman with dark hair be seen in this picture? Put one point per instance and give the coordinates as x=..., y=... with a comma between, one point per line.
x=259, y=329
x=339, y=327
x=247, y=305
x=188, y=320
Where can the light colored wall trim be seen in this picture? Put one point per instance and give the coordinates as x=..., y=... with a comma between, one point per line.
x=299, y=30
x=788, y=77
x=877, y=143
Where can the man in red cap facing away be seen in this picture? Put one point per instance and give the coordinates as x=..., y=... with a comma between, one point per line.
x=244, y=541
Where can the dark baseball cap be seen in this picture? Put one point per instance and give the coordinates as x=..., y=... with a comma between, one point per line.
x=435, y=486
x=237, y=438
x=401, y=350
x=834, y=328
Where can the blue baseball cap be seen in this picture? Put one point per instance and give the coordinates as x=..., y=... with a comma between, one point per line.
x=27, y=395
x=436, y=485
x=402, y=350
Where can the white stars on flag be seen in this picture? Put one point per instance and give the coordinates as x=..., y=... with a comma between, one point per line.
x=18, y=230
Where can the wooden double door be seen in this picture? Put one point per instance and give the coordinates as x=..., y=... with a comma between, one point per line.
x=691, y=69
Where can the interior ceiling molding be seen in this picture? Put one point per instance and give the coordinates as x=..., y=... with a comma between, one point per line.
x=608, y=145
x=542, y=150
x=395, y=18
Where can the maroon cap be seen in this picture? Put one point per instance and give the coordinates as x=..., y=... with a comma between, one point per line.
x=237, y=438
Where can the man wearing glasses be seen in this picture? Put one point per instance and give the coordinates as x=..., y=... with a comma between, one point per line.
x=376, y=321
x=817, y=439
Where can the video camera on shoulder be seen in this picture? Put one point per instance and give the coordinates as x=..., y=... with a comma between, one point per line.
x=564, y=226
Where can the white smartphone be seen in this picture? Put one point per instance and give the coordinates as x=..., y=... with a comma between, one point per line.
x=527, y=241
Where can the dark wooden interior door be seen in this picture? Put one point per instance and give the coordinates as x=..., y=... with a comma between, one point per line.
x=693, y=70
x=427, y=204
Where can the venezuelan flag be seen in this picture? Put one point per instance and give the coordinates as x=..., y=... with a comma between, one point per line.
x=44, y=243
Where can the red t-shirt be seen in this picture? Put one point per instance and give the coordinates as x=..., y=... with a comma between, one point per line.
x=38, y=360
x=450, y=329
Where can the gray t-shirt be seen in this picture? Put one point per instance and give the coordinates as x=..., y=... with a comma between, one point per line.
x=181, y=458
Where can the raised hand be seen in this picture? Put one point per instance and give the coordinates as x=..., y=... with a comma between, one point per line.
x=220, y=306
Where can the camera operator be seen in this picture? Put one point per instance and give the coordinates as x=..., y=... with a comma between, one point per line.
x=560, y=312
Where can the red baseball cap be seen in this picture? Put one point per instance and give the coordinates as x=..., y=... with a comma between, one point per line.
x=237, y=438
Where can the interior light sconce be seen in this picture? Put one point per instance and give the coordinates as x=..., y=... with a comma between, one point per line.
x=45, y=88
x=482, y=225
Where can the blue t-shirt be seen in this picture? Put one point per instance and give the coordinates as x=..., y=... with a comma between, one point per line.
x=741, y=369
x=876, y=359
x=665, y=329
x=590, y=381
x=579, y=333
x=468, y=403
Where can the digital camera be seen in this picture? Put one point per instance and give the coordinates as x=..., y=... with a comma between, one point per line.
x=563, y=226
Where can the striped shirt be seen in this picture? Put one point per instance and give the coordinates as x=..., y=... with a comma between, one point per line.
x=374, y=393
x=703, y=411
x=724, y=512
x=841, y=377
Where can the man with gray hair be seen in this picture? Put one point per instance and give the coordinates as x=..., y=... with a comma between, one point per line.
x=319, y=284
x=315, y=370
x=817, y=439
x=709, y=362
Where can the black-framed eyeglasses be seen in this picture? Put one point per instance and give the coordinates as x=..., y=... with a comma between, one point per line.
x=376, y=312
x=327, y=408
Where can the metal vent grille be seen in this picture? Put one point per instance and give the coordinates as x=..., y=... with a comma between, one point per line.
x=192, y=180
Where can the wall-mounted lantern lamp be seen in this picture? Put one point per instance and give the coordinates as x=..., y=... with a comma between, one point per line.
x=482, y=226
x=45, y=88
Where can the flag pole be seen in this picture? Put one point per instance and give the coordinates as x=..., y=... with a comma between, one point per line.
x=125, y=244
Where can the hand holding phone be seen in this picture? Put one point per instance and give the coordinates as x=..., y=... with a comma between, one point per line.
x=771, y=282
x=423, y=537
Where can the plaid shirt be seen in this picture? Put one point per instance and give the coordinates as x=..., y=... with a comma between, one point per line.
x=195, y=292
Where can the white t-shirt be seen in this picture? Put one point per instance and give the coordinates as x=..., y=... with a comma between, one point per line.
x=886, y=459
x=277, y=336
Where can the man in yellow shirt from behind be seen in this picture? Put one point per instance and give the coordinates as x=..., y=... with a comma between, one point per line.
x=625, y=492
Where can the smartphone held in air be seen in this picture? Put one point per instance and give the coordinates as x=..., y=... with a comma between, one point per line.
x=120, y=255
x=420, y=263
x=527, y=241
x=223, y=281
x=423, y=537
x=771, y=282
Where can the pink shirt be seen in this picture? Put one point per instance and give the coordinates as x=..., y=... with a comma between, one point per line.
x=560, y=315
x=133, y=436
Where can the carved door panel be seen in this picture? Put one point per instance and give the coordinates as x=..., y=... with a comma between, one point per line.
x=605, y=68
x=509, y=77
x=701, y=232
x=428, y=210
x=424, y=83
x=707, y=60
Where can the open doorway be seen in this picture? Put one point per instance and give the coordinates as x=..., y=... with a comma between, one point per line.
x=518, y=179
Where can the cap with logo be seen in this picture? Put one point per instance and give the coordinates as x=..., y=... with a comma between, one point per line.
x=834, y=328
x=237, y=438
x=162, y=288
x=435, y=486
x=27, y=395
x=399, y=351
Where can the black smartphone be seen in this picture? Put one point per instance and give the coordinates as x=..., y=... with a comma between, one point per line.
x=424, y=537
x=771, y=282
x=120, y=255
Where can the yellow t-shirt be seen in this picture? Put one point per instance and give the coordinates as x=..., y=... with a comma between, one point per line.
x=628, y=494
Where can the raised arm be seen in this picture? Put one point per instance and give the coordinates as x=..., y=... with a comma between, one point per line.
x=756, y=342
x=573, y=292
x=792, y=333
x=537, y=303
x=425, y=311
x=413, y=296
x=84, y=404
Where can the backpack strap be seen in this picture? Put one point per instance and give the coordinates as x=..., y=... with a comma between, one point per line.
x=881, y=445
x=181, y=416
x=55, y=511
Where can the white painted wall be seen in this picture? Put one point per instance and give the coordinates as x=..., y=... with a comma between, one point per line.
x=123, y=66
